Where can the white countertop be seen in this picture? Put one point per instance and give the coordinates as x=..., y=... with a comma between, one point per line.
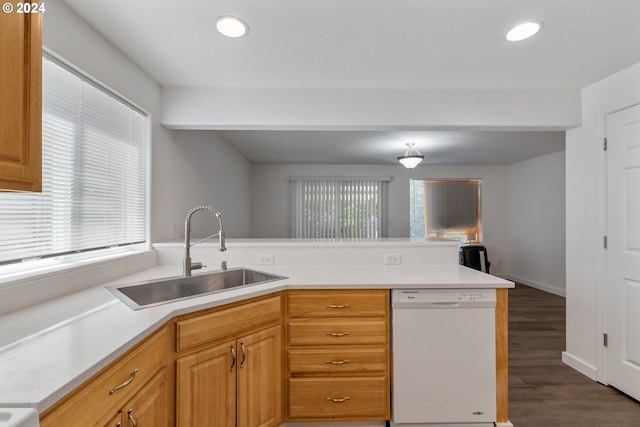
x=79, y=334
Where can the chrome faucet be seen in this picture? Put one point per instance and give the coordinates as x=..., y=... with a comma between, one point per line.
x=188, y=266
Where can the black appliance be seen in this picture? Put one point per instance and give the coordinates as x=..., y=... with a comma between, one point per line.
x=472, y=255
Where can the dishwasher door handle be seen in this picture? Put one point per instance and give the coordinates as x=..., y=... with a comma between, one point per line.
x=436, y=304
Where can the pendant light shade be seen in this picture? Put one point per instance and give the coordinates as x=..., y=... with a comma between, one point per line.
x=411, y=158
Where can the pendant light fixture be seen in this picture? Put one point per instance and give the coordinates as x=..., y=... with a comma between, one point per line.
x=411, y=158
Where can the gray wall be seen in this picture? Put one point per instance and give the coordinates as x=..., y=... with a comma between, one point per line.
x=536, y=203
x=271, y=211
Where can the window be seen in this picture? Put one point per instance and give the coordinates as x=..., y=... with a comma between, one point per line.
x=445, y=208
x=334, y=207
x=94, y=148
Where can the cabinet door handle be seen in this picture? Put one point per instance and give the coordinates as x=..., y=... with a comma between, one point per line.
x=336, y=362
x=338, y=399
x=338, y=306
x=337, y=334
x=132, y=376
x=134, y=422
x=233, y=357
x=244, y=354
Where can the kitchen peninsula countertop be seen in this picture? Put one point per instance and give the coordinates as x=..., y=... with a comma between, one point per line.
x=79, y=334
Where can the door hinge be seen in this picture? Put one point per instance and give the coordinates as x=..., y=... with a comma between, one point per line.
x=604, y=144
x=605, y=242
x=605, y=339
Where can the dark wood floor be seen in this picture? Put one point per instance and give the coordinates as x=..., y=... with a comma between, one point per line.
x=544, y=392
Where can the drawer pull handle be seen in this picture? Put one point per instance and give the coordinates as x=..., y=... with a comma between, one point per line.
x=244, y=354
x=337, y=306
x=132, y=376
x=336, y=362
x=338, y=399
x=134, y=422
x=337, y=334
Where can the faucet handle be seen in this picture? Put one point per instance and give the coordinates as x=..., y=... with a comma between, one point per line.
x=197, y=265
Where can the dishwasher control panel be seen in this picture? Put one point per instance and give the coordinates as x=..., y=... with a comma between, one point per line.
x=421, y=298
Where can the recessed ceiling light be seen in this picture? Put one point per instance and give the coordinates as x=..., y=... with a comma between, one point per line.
x=523, y=31
x=230, y=26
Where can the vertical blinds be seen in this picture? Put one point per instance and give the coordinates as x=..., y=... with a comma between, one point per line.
x=339, y=208
x=93, y=171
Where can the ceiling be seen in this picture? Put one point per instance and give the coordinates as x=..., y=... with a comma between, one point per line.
x=376, y=44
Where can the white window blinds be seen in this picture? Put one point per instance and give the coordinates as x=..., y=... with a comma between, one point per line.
x=93, y=171
x=334, y=207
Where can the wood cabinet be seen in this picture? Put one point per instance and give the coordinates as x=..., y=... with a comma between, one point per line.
x=338, y=355
x=233, y=369
x=135, y=391
x=149, y=408
x=21, y=101
x=233, y=374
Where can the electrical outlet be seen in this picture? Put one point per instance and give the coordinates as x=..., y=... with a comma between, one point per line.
x=174, y=232
x=265, y=259
x=392, y=259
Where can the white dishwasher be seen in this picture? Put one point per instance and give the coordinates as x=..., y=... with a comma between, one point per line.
x=444, y=364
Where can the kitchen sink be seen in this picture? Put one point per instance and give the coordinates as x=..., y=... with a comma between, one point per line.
x=156, y=292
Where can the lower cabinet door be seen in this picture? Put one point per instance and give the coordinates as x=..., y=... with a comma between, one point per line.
x=150, y=408
x=260, y=379
x=338, y=397
x=206, y=387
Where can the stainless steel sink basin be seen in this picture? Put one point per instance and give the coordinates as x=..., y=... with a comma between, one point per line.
x=156, y=292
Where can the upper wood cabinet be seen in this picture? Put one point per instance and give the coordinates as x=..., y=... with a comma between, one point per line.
x=20, y=101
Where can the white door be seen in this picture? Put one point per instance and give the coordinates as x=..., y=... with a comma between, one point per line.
x=623, y=253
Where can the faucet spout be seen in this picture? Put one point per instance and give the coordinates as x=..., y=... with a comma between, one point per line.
x=188, y=266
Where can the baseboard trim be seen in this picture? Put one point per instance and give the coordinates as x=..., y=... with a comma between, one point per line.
x=580, y=366
x=541, y=286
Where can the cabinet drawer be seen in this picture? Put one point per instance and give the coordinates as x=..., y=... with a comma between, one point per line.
x=209, y=327
x=101, y=394
x=337, y=360
x=334, y=303
x=338, y=398
x=337, y=332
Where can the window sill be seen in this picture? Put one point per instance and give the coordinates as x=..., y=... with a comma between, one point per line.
x=27, y=285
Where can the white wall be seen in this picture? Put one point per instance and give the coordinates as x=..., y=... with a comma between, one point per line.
x=270, y=199
x=585, y=219
x=187, y=168
x=536, y=204
x=340, y=109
